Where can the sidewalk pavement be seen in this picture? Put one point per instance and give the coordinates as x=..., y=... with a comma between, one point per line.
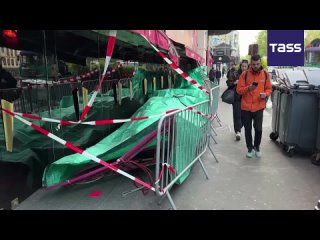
x=273, y=182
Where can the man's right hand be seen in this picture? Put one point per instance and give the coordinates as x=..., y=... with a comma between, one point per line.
x=252, y=87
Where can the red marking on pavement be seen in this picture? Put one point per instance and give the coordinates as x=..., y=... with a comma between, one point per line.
x=95, y=194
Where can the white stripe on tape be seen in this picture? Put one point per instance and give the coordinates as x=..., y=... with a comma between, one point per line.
x=107, y=61
x=90, y=156
x=63, y=142
x=167, y=60
x=50, y=120
x=92, y=98
x=113, y=33
x=24, y=121
x=121, y=120
x=178, y=70
x=126, y=174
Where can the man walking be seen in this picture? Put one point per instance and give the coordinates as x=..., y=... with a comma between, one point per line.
x=254, y=85
x=218, y=75
x=212, y=74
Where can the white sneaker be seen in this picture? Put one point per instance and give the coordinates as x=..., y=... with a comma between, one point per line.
x=258, y=153
x=250, y=154
x=238, y=136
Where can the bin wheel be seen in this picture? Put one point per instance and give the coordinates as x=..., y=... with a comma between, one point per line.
x=291, y=152
x=274, y=136
x=315, y=160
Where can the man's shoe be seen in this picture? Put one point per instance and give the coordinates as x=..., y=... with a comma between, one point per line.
x=250, y=154
x=238, y=136
x=258, y=152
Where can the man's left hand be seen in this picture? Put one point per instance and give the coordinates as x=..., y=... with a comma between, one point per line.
x=263, y=95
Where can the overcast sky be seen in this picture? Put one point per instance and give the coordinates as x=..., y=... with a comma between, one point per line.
x=246, y=37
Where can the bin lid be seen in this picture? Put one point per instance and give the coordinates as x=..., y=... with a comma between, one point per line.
x=281, y=71
x=313, y=76
x=295, y=77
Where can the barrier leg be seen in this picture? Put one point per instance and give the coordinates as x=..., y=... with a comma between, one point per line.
x=213, y=153
x=213, y=139
x=161, y=199
x=171, y=201
x=204, y=169
x=218, y=120
x=131, y=191
x=213, y=130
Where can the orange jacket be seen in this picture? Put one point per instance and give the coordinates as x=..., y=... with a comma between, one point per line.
x=251, y=100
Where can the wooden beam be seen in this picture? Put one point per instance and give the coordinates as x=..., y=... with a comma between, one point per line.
x=8, y=124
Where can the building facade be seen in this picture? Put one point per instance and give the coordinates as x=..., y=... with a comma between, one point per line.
x=196, y=40
x=225, y=47
x=10, y=60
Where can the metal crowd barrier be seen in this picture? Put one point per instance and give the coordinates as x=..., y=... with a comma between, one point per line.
x=181, y=141
x=214, y=102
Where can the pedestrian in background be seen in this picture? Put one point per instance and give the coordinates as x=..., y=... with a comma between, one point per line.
x=218, y=75
x=212, y=74
x=236, y=106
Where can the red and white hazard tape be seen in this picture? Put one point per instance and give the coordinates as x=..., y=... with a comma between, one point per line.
x=204, y=78
x=171, y=169
x=105, y=121
x=177, y=69
x=80, y=151
x=97, y=122
x=77, y=78
x=110, y=46
x=209, y=116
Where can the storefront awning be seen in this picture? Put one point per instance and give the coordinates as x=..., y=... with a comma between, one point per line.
x=194, y=55
x=161, y=40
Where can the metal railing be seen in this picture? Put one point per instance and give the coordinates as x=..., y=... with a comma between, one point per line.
x=39, y=98
x=181, y=141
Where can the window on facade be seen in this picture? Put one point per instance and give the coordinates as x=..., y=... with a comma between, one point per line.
x=8, y=62
x=12, y=62
x=3, y=62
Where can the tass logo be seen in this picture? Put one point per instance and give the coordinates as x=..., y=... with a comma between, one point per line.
x=281, y=47
x=285, y=47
